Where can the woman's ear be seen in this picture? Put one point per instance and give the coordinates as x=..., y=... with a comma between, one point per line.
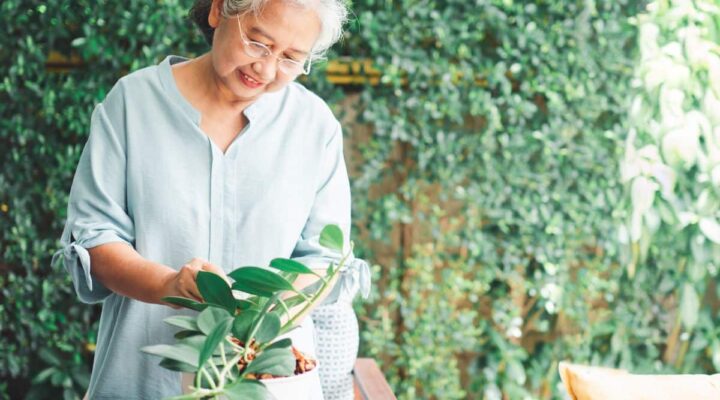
x=215, y=14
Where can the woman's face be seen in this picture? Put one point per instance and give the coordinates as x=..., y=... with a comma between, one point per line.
x=288, y=31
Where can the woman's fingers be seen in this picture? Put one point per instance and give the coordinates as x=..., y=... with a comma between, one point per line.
x=206, y=266
x=216, y=270
x=186, y=281
x=197, y=263
x=195, y=293
x=187, y=277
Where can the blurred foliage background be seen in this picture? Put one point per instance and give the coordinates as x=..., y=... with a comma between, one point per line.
x=535, y=181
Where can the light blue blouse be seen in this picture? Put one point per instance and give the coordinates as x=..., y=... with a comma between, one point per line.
x=149, y=177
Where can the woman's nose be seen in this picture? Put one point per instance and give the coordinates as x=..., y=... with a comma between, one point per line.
x=266, y=68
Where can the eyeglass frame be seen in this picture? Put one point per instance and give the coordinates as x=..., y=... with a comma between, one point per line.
x=247, y=43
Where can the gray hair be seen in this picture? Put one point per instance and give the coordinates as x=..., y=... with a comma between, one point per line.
x=332, y=15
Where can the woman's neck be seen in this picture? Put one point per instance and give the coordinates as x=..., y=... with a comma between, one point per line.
x=198, y=82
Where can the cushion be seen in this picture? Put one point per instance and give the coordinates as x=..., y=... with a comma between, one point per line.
x=593, y=383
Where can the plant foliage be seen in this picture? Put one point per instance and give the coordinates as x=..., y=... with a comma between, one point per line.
x=225, y=343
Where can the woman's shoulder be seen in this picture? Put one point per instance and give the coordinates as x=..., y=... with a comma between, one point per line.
x=301, y=100
x=295, y=108
x=298, y=92
x=136, y=87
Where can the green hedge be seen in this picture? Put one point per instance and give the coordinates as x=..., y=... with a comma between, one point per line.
x=47, y=335
x=487, y=188
x=508, y=118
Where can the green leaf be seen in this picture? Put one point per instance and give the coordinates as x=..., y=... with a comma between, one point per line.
x=210, y=318
x=294, y=300
x=268, y=329
x=187, y=334
x=696, y=270
x=182, y=397
x=185, y=302
x=242, y=324
x=689, y=306
x=175, y=365
x=289, y=276
x=287, y=265
x=215, y=290
x=178, y=352
x=244, y=304
x=516, y=372
x=213, y=339
x=332, y=238
x=280, y=344
x=44, y=375
x=278, y=362
x=716, y=354
x=287, y=306
x=247, y=389
x=258, y=281
x=711, y=229
x=196, y=342
x=183, y=321
x=50, y=357
x=311, y=289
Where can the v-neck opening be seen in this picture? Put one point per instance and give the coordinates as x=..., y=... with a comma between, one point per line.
x=238, y=137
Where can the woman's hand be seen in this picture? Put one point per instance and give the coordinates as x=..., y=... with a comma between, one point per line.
x=182, y=283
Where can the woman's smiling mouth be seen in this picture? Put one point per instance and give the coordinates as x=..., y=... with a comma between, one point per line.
x=249, y=81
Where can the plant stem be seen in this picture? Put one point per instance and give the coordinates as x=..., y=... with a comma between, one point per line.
x=222, y=353
x=681, y=354
x=263, y=312
x=228, y=367
x=209, y=378
x=303, y=295
x=215, y=370
x=234, y=346
x=285, y=307
x=670, y=355
x=311, y=302
x=198, y=378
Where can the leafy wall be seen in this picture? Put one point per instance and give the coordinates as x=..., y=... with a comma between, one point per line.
x=503, y=122
x=671, y=171
x=486, y=181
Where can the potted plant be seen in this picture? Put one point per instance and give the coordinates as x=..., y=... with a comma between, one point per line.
x=234, y=347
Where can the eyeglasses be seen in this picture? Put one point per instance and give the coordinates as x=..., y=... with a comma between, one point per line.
x=288, y=66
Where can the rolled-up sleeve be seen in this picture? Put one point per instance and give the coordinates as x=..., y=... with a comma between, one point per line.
x=97, y=209
x=332, y=206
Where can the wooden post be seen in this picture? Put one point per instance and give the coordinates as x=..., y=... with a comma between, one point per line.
x=370, y=383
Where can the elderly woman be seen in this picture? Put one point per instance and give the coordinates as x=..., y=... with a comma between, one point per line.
x=210, y=164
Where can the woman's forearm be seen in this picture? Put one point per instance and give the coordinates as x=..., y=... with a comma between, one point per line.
x=121, y=269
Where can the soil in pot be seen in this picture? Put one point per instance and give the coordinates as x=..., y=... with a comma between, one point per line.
x=303, y=364
x=299, y=386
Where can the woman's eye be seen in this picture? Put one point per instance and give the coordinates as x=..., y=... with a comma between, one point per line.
x=258, y=43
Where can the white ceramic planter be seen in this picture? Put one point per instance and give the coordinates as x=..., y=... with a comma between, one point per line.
x=297, y=387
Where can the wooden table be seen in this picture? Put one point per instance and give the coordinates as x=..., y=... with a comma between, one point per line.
x=370, y=383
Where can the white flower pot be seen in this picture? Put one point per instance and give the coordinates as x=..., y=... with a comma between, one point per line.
x=297, y=387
